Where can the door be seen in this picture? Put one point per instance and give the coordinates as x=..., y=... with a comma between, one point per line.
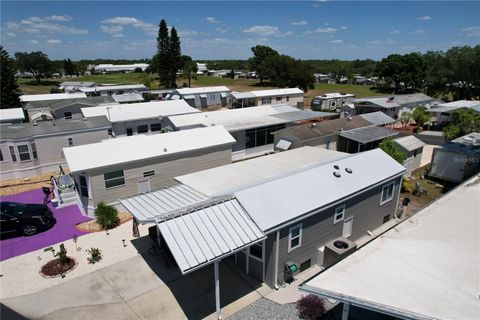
x=347, y=227
x=143, y=186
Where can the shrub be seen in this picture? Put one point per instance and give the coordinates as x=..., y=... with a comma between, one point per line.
x=107, y=216
x=62, y=255
x=310, y=307
x=95, y=255
x=406, y=187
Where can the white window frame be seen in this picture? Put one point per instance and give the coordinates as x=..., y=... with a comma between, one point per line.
x=385, y=187
x=262, y=244
x=299, y=236
x=27, y=152
x=116, y=178
x=336, y=213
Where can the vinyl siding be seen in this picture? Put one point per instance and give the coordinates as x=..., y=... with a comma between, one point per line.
x=320, y=228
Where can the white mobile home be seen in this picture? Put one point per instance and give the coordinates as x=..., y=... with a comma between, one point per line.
x=105, y=68
x=100, y=90
x=30, y=149
x=331, y=101
x=122, y=167
x=51, y=96
x=252, y=128
x=137, y=118
x=204, y=96
x=290, y=96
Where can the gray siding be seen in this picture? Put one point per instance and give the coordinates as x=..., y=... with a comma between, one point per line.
x=319, y=229
x=75, y=108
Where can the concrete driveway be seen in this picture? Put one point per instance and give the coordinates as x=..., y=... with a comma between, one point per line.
x=140, y=288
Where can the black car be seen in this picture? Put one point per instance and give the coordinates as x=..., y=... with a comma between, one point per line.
x=28, y=219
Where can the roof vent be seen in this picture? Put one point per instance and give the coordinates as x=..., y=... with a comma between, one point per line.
x=349, y=118
x=336, y=167
x=340, y=244
x=35, y=123
x=348, y=170
x=164, y=149
x=312, y=125
x=337, y=174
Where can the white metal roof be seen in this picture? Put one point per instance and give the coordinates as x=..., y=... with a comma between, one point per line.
x=283, y=145
x=127, y=97
x=155, y=204
x=51, y=96
x=202, y=90
x=139, y=87
x=455, y=105
x=141, y=110
x=140, y=147
x=377, y=118
x=276, y=92
x=426, y=267
x=410, y=143
x=334, y=95
x=282, y=200
x=207, y=234
x=228, y=178
x=11, y=114
x=244, y=118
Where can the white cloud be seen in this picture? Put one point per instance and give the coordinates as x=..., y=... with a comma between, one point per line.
x=472, y=31
x=10, y=34
x=187, y=33
x=395, y=32
x=111, y=29
x=337, y=41
x=424, y=18
x=54, y=41
x=325, y=30
x=118, y=35
x=285, y=34
x=327, y=23
x=343, y=28
x=59, y=18
x=374, y=42
x=33, y=41
x=299, y=23
x=262, y=30
x=212, y=20
x=222, y=30
x=146, y=27
x=420, y=31
x=37, y=25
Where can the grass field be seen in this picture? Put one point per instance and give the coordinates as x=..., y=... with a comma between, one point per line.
x=27, y=86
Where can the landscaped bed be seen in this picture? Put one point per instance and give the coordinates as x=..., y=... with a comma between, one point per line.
x=55, y=268
x=92, y=226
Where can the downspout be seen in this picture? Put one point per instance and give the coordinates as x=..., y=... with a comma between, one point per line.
x=277, y=248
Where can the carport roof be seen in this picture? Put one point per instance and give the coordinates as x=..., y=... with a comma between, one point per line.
x=207, y=234
x=368, y=134
x=377, y=118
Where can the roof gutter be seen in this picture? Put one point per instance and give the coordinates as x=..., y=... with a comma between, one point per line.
x=365, y=304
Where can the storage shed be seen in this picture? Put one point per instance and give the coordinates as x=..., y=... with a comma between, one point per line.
x=412, y=147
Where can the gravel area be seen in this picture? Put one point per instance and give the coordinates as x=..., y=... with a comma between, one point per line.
x=264, y=309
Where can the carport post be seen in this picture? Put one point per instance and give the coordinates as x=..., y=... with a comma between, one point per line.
x=217, y=289
x=346, y=310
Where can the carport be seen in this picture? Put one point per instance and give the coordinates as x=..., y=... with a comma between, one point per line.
x=197, y=235
x=362, y=139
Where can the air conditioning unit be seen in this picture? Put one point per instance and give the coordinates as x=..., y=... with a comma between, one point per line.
x=337, y=250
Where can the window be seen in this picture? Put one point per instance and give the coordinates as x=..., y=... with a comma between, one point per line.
x=288, y=98
x=83, y=186
x=386, y=218
x=304, y=266
x=34, y=151
x=260, y=137
x=155, y=127
x=129, y=131
x=339, y=214
x=70, y=142
x=12, y=154
x=1, y=155
x=109, y=132
x=278, y=99
x=294, y=237
x=142, y=128
x=256, y=250
x=149, y=173
x=67, y=115
x=114, y=179
x=250, y=138
x=23, y=152
x=387, y=193
x=266, y=100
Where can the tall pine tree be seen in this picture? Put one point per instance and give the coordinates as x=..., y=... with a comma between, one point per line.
x=175, y=57
x=9, y=88
x=162, y=56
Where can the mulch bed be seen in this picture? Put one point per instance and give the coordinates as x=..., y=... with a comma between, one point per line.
x=92, y=226
x=54, y=268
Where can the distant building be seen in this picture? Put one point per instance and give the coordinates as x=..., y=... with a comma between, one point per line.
x=51, y=96
x=73, y=86
x=442, y=112
x=106, y=68
x=290, y=96
x=203, y=97
x=331, y=101
x=201, y=68
x=101, y=90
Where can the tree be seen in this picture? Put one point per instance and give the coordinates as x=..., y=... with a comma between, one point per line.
x=8, y=88
x=463, y=64
x=391, y=148
x=68, y=67
x=405, y=118
x=389, y=68
x=161, y=58
x=434, y=65
x=37, y=63
x=259, y=61
x=420, y=115
x=189, y=68
x=174, y=57
x=464, y=121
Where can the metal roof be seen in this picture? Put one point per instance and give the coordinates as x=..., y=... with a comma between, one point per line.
x=159, y=203
x=368, y=134
x=334, y=95
x=60, y=126
x=398, y=100
x=471, y=139
x=127, y=97
x=434, y=256
x=141, y=110
x=11, y=114
x=60, y=103
x=201, y=90
x=243, y=95
x=141, y=147
x=283, y=200
x=51, y=96
x=455, y=105
x=232, y=177
x=98, y=88
x=206, y=234
x=377, y=118
x=410, y=143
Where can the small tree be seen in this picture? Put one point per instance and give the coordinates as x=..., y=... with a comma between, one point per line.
x=8, y=88
x=62, y=255
x=420, y=116
x=463, y=122
x=391, y=148
x=405, y=118
x=107, y=216
x=310, y=307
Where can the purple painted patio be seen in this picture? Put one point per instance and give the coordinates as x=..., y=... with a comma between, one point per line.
x=63, y=230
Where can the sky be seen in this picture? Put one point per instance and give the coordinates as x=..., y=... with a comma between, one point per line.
x=344, y=30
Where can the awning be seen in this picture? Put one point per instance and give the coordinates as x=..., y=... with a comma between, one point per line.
x=243, y=95
x=189, y=96
x=203, y=96
x=368, y=134
x=208, y=234
x=283, y=145
x=224, y=94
